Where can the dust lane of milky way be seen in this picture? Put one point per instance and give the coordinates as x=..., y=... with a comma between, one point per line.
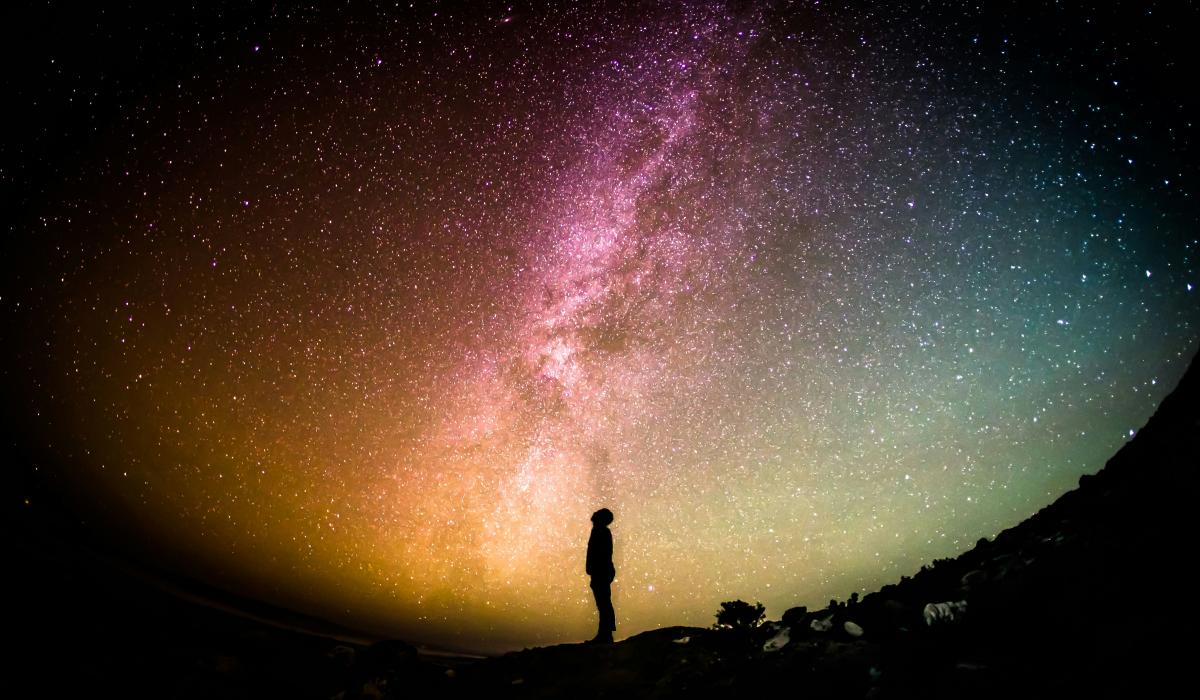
x=366, y=314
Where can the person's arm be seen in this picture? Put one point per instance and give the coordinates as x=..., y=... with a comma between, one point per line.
x=591, y=554
x=608, y=555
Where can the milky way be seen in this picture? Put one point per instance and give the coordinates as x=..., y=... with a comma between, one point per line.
x=365, y=312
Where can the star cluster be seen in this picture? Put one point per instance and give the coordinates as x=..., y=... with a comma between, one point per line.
x=365, y=311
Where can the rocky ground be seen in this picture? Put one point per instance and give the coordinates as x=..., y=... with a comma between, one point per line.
x=1089, y=596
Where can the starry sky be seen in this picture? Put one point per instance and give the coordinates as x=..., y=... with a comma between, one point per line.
x=363, y=310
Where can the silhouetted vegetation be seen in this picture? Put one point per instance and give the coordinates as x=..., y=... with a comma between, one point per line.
x=739, y=615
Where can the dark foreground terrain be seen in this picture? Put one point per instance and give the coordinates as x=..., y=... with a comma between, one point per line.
x=1088, y=597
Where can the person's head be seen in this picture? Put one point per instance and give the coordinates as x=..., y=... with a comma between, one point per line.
x=602, y=517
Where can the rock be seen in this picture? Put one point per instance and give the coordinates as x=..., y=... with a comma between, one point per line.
x=972, y=578
x=342, y=656
x=944, y=613
x=794, y=617
x=373, y=689
x=852, y=629
x=779, y=641
x=822, y=625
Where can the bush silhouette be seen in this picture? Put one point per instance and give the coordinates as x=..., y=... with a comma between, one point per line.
x=738, y=615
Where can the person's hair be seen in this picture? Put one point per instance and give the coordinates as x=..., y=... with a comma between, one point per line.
x=603, y=516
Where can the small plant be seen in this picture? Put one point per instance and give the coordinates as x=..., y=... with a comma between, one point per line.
x=739, y=615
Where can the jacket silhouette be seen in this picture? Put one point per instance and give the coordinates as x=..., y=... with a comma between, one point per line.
x=600, y=567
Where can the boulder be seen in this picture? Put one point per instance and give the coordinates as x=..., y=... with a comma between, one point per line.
x=944, y=613
x=779, y=640
x=795, y=617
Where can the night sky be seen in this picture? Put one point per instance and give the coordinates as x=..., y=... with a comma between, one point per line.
x=363, y=310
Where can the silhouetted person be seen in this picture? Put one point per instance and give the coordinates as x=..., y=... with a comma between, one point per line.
x=600, y=568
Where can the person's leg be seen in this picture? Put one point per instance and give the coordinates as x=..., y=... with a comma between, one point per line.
x=607, y=623
x=607, y=615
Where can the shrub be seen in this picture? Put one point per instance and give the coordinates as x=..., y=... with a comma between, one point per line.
x=739, y=615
